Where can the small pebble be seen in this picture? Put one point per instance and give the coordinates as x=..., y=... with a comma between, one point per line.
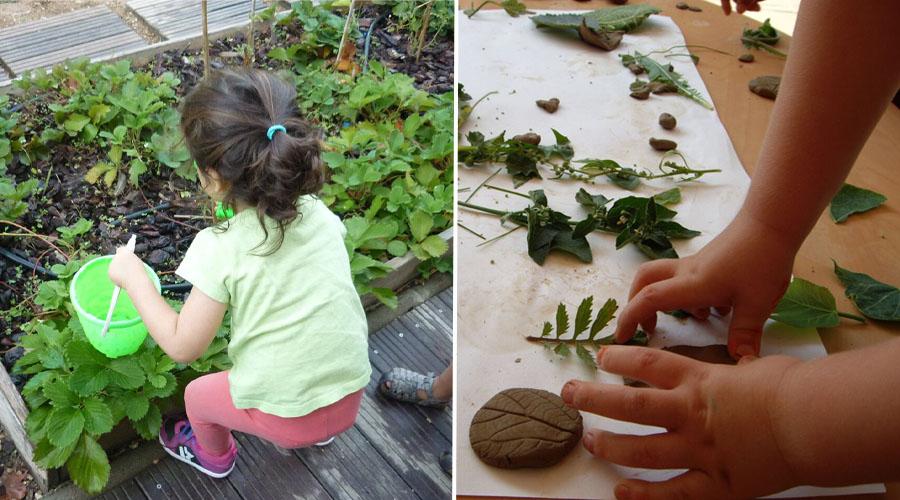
x=529, y=138
x=681, y=5
x=550, y=105
x=667, y=121
x=747, y=58
x=662, y=144
x=694, y=8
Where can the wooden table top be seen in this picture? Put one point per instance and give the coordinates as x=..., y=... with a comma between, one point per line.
x=863, y=243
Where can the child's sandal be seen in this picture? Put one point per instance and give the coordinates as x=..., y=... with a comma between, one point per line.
x=405, y=386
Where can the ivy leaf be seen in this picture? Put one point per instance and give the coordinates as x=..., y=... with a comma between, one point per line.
x=874, y=299
x=604, y=316
x=88, y=379
x=98, y=418
x=562, y=320
x=586, y=356
x=64, y=425
x=853, y=200
x=806, y=305
x=89, y=465
x=583, y=316
x=125, y=374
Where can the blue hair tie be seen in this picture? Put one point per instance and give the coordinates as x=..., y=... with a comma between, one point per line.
x=273, y=129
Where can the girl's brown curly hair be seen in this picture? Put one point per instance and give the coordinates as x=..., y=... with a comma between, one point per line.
x=225, y=120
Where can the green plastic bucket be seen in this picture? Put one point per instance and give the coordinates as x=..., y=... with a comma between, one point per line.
x=91, y=291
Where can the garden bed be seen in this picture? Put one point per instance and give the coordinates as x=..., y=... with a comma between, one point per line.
x=77, y=182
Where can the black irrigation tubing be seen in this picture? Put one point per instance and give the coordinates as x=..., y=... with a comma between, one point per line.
x=135, y=215
x=173, y=287
x=369, y=39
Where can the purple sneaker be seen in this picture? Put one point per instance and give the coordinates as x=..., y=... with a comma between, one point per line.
x=178, y=440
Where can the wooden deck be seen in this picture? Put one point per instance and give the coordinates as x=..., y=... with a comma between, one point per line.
x=184, y=17
x=391, y=452
x=95, y=32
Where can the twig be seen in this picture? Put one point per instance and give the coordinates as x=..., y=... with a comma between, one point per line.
x=205, y=42
x=40, y=237
x=426, y=18
x=470, y=230
x=250, y=35
x=340, y=53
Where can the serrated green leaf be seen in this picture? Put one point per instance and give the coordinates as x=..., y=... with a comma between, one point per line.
x=583, y=316
x=658, y=72
x=125, y=374
x=64, y=425
x=50, y=457
x=386, y=296
x=547, y=329
x=36, y=423
x=97, y=417
x=397, y=248
x=80, y=353
x=89, y=466
x=562, y=320
x=561, y=349
x=76, y=122
x=35, y=382
x=806, y=305
x=586, y=356
x=604, y=316
x=60, y=395
x=434, y=245
x=853, y=200
x=148, y=426
x=169, y=387
x=88, y=379
x=625, y=18
x=873, y=298
x=420, y=224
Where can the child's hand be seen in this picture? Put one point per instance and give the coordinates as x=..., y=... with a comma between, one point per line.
x=125, y=268
x=742, y=6
x=721, y=421
x=747, y=268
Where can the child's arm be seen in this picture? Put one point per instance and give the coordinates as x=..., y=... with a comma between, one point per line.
x=839, y=78
x=185, y=336
x=750, y=430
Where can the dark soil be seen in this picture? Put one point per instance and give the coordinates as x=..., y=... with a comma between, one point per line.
x=164, y=235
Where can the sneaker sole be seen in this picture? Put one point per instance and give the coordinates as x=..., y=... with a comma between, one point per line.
x=192, y=464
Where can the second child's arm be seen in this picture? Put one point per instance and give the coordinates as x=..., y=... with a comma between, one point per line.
x=183, y=336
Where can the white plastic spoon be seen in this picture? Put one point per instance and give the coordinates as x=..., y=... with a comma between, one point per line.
x=116, y=290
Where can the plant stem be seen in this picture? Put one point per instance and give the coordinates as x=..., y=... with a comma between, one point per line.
x=470, y=230
x=482, y=183
x=495, y=238
x=205, y=42
x=480, y=6
x=764, y=46
x=852, y=316
x=426, y=18
x=337, y=62
x=498, y=213
x=496, y=188
x=609, y=339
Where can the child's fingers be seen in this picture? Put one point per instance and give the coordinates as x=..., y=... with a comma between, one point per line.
x=656, y=451
x=694, y=484
x=658, y=368
x=700, y=312
x=665, y=295
x=642, y=406
x=745, y=330
x=651, y=272
x=726, y=7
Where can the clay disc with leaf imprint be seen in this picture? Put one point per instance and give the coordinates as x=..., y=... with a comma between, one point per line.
x=524, y=428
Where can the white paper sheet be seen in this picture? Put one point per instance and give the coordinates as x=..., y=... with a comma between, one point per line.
x=504, y=296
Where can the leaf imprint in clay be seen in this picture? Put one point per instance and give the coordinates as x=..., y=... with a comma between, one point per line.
x=524, y=428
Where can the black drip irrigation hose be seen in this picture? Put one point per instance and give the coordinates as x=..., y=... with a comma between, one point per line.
x=135, y=215
x=173, y=287
x=369, y=39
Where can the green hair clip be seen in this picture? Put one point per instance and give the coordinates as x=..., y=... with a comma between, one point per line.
x=223, y=212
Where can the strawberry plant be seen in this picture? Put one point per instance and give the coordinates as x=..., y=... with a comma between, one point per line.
x=76, y=394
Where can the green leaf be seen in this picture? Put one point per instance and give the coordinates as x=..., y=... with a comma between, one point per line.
x=97, y=417
x=35, y=422
x=136, y=405
x=60, y=395
x=386, y=296
x=562, y=320
x=668, y=197
x=48, y=456
x=853, y=200
x=79, y=353
x=88, y=379
x=97, y=112
x=64, y=425
x=547, y=329
x=658, y=72
x=137, y=168
x=148, y=427
x=586, y=356
x=125, y=374
x=625, y=178
x=397, y=248
x=420, y=224
x=583, y=316
x=604, y=316
x=626, y=18
x=561, y=349
x=873, y=298
x=434, y=245
x=36, y=382
x=76, y=122
x=165, y=390
x=806, y=305
x=89, y=465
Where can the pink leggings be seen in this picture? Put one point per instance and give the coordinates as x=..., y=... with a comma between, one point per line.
x=213, y=415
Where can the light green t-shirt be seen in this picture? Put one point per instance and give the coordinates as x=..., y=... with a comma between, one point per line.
x=299, y=337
